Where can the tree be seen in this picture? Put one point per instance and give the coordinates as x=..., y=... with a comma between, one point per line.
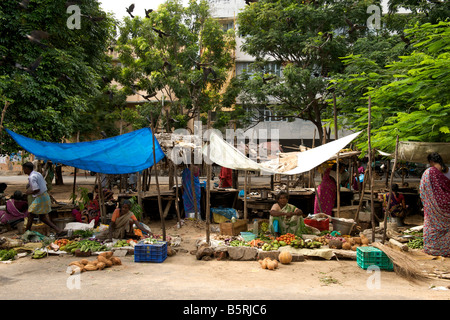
x=409, y=96
x=49, y=72
x=179, y=52
x=307, y=38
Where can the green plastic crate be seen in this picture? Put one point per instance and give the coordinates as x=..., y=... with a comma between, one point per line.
x=369, y=256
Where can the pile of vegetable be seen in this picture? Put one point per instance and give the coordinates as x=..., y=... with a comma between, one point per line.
x=104, y=260
x=6, y=255
x=86, y=245
x=237, y=243
x=343, y=242
x=415, y=243
x=287, y=238
x=269, y=264
x=124, y=243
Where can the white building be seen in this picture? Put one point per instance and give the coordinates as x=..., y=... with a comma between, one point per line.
x=290, y=132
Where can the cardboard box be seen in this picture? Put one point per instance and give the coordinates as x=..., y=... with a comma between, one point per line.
x=233, y=228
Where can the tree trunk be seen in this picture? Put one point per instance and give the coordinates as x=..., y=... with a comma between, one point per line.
x=58, y=176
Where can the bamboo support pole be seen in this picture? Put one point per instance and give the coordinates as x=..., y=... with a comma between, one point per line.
x=387, y=212
x=208, y=189
x=338, y=187
x=245, y=194
x=177, y=205
x=369, y=148
x=161, y=214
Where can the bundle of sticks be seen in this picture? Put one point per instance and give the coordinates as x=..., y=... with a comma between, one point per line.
x=404, y=265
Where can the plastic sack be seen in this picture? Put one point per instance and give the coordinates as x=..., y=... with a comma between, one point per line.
x=79, y=226
x=228, y=213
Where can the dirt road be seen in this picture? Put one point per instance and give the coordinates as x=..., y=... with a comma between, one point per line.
x=183, y=277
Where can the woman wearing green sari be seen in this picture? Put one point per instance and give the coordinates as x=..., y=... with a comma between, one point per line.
x=285, y=217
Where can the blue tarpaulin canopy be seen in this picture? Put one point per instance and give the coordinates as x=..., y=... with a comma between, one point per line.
x=127, y=153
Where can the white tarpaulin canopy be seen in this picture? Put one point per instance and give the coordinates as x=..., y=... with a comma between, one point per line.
x=226, y=155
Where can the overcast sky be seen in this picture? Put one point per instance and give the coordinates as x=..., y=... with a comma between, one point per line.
x=118, y=7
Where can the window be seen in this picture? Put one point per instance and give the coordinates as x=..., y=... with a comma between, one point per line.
x=271, y=67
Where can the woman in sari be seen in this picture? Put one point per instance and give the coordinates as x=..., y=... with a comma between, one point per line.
x=326, y=194
x=122, y=223
x=187, y=190
x=90, y=212
x=16, y=210
x=397, y=207
x=285, y=217
x=435, y=196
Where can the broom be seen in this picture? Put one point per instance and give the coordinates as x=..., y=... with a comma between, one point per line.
x=404, y=266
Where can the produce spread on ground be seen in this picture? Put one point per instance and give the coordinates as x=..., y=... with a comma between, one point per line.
x=93, y=254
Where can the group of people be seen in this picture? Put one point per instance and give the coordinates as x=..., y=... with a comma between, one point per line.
x=434, y=193
x=284, y=217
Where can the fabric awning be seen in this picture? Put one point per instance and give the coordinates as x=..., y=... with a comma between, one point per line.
x=128, y=153
x=224, y=154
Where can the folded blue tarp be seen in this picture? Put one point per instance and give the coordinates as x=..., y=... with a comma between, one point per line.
x=127, y=153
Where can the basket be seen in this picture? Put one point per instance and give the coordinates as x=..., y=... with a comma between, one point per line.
x=370, y=256
x=248, y=236
x=156, y=252
x=342, y=226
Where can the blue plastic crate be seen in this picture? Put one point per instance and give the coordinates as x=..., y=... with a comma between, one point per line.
x=156, y=252
x=369, y=256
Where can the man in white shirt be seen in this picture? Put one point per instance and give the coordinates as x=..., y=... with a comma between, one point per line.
x=41, y=205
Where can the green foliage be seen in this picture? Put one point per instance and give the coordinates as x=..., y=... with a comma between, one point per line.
x=170, y=52
x=47, y=103
x=307, y=39
x=136, y=208
x=410, y=96
x=83, y=198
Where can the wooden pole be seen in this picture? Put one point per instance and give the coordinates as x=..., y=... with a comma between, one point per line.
x=312, y=173
x=75, y=174
x=361, y=195
x=245, y=194
x=387, y=212
x=369, y=148
x=208, y=188
x=177, y=207
x=161, y=214
x=338, y=187
x=101, y=198
x=139, y=188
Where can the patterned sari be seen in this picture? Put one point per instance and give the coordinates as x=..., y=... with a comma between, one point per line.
x=396, y=207
x=283, y=224
x=435, y=196
x=326, y=193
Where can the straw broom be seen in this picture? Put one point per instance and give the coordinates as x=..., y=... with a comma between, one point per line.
x=404, y=266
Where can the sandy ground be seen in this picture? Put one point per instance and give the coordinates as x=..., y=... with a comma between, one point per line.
x=183, y=277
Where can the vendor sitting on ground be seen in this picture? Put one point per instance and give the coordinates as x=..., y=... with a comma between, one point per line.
x=90, y=212
x=284, y=217
x=16, y=210
x=121, y=225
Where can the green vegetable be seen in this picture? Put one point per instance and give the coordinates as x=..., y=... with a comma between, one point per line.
x=38, y=254
x=416, y=243
x=7, y=254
